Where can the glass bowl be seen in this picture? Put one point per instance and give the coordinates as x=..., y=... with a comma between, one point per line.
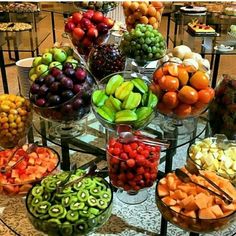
x=33, y=168
x=137, y=117
x=133, y=167
x=217, y=154
x=83, y=207
x=15, y=119
x=189, y=219
x=140, y=12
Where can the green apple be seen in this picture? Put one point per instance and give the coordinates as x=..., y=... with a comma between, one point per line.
x=37, y=61
x=47, y=58
x=59, y=55
x=72, y=61
x=56, y=64
x=42, y=70
x=32, y=71
x=33, y=77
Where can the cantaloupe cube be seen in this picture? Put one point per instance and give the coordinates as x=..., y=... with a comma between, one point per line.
x=210, y=201
x=178, y=194
x=171, y=183
x=188, y=203
x=187, y=188
x=190, y=214
x=206, y=213
x=169, y=201
x=201, y=200
x=163, y=190
x=163, y=181
x=230, y=207
x=219, y=201
x=217, y=211
x=176, y=208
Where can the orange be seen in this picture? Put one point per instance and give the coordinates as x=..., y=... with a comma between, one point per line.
x=158, y=73
x=169, y=83
x=152, y=20
x=204, y=96
x=183, y=110
x=155, y=88
x=126, y=4
x=144, y=20
x=199, y=80
x=137, y=15
x=162, y=108
x=173, y=69
x=130, y=19
x=155, y=25
x=170, y=99
x=157, y=4
x=158, y=16
x=134, y=6
x=198, y=108
x=127, y=12
x=188, y=95
x=183, y=76
x=211, y=91
x=151, y=11
x=143, y=8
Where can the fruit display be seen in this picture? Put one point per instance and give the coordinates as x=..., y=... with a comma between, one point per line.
x=15, y=119
x=214, y=154
x=182, y=90
x=75, y=210
x=52, y=57
x=88, y=29
x=63, y=95
x=106, y=59
x=144, y=43
x=191, y=207
x=132, y=166
x=124, y=98
x=142, y=12
x=223, y=108
x=31, y=167
x=102, y=6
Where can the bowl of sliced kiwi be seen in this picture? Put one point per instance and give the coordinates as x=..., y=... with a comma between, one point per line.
x=75, y=209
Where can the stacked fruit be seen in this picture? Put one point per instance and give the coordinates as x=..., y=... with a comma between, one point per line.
x=15, y=119
x=182, y=90
x=88, y=29
x=143, y=43
x=124, y=102
x=105, y=60
x=193, y=208
x=63, y=95
x=75, y=210
x=143, y=12
x=52, y=57
x=132, y=166
x=34, y=166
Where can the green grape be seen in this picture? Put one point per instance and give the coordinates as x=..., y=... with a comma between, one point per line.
x=154, y=49
x=147, y=34
x=138, y=33
x=150, y=55
x=149, y=50
x=133, y=43
x=148, y=41
x=145, y=47
x=141, y=40
x=138, y=46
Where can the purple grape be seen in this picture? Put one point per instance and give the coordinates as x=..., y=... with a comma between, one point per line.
x=34, y=89
x=55, y=87
x=40, y=102
x=77, y=103
x=67, y=94
x=67, y=109
x=54, y=100
x=39, y=80
x=70, y=72
x=43, y=90
x=89, y=80
x=60, y=77
x=49, y=79
x=67, y=65
x=80, y=74
x=67, y=83
x=55, y=72
x=77, y=88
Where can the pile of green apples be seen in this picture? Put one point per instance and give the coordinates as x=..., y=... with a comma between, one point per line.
x=52, y=57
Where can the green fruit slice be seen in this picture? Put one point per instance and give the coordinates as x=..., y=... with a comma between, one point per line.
x=44, y=217
x=144, y=99
x=57, y=221
x=132, y=101
x=125, y=116
x=77, y=206
x=43, y=207
x=68, y=200
x=105, y=196
x=152, y=100
x=37, y=191
x=84, y=213
x=57, y=211
x=143, y=112
x=92, y=201
x=106, y=113
x=99, y=97
x=124, y=90
x=81, y=226
x=79, y=185
x=113, y=103
x=95, y=191
x=140, y=85
x=66, y=228
x=46, y=196
x=83, y=195
x=94, y=211
x=72, y=215
x=102, y=204
x=113, y=83
x=36, y=200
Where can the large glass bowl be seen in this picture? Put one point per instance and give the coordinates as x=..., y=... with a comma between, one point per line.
x=15, y=119
x=32, y=169
x=190, y=223
x=89, y=215
x=215, y=154
x=136, y=124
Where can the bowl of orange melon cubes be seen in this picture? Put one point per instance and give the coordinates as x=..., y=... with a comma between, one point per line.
x=192, y=208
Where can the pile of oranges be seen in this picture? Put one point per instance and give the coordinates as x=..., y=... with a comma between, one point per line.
x=182, y=91
x=142, y=13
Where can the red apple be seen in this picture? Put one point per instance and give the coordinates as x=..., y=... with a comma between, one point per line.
x=86, y=42
x=102, y=28
x=69, y=19
x=76, y=16
x=88, y=14
x=78, y=33
x=97, y=16
x=109, y=22
x=69, y=27
x=92, y=32
x=85, y=23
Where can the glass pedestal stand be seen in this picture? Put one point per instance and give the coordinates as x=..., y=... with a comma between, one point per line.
x=132, y=197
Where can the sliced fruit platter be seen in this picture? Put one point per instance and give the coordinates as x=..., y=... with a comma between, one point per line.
x=191, y=207
x=124, y=98
x=74, y=210
x=21, y=168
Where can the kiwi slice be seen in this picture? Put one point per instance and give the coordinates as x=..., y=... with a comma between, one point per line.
x=44, y=217
x=79, y=185
x=89, y=183
x=81, y=226
x=95, y=191
x=51, y=185
x=66, y=229
x=84, y=213
x=83, y=195
x=37, y=191
x=67, y=190
x=46, y=196
x=92, y=201
x=68, y=200
x=72, y=215
x=35, y=212
x=77, y=206
x=36, y=200
x=57, y=211
x=105, y=196
x=62, y=176
x=92, y=222
x=102, y=204
x=93, y=211
x=43, y=207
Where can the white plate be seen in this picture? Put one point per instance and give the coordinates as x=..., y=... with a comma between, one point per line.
x=224, y=49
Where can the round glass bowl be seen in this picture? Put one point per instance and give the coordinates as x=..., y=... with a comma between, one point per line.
x=15, y=119
x=31, y=169
x=124, y=98
x=77, y=210
x=140, y=12
x=223, y=107
x=188, y=216
x=215, y=154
